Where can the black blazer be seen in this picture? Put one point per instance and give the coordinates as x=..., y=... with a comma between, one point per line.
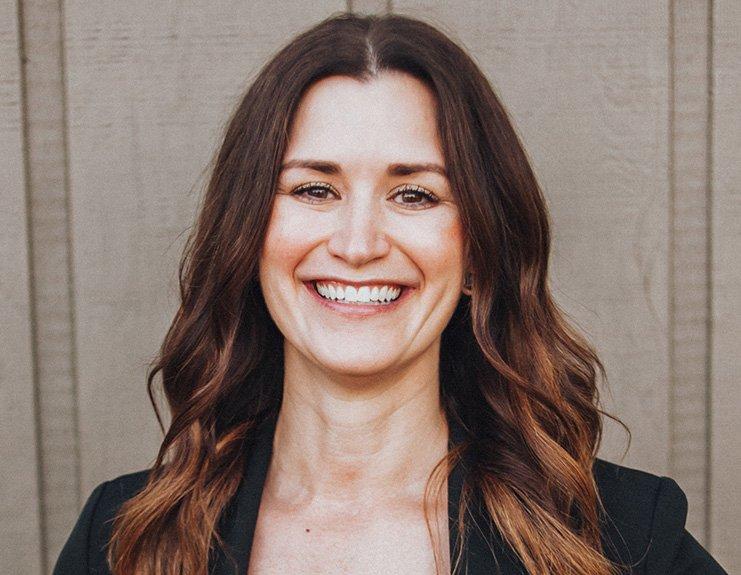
x=644, y=524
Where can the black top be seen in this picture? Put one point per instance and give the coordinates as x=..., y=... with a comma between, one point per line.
x=644, y=524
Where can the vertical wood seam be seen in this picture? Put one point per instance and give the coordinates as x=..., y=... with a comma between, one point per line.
x=71, y=293
x=671, y=240
x=709, y=278
x=48, y=202
x=689, y=286
x=33, y=319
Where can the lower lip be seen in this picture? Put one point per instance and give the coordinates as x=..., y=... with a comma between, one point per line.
x=359, y=309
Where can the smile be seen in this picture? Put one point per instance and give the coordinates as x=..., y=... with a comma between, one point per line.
x=380, y=295
x=362, y=301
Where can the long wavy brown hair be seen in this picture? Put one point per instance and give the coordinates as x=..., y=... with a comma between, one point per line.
x=514, y=374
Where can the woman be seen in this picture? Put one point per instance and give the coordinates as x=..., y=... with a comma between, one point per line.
x=367, y=352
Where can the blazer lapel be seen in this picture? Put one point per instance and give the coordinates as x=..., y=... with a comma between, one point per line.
x=481, y=555
x=240, y=518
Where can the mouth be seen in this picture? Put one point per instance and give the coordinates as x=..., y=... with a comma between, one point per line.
x=357, y=308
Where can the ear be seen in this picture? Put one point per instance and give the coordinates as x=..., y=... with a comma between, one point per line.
x=467, y=283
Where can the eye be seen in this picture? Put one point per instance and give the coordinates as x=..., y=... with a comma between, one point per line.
x=316, y=193
x=313, y=192
x=424, y=197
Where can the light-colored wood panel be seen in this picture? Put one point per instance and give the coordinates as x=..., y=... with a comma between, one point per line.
x=150, y=86
x=726, y=306
x=49, y=252
x=689, y=282
x=20, y=526
x=369, y=6
x=587, y=87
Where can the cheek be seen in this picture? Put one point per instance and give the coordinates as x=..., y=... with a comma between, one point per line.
x=288, y=237
x=454, y=237
x=438, y=244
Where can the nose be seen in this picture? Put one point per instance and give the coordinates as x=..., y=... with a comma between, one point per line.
x=359, y=236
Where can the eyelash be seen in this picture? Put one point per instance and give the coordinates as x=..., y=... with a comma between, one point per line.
x=321, y=186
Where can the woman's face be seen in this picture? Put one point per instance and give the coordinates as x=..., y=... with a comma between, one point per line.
x=364, y=155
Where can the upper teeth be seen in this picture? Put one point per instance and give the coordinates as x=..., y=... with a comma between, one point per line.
x=361, y=294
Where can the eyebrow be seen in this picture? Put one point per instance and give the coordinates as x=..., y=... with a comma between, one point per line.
x=397, y=169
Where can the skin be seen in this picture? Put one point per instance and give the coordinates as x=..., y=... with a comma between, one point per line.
x=361, y=409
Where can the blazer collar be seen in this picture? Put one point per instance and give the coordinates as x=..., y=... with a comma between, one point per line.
x=481, y=555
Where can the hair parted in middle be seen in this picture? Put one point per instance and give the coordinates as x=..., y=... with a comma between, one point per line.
x=513, y=373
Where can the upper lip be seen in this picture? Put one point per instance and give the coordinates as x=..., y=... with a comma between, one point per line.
x=374, y=281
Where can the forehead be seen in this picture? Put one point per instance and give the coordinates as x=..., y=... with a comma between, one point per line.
x=391, y=117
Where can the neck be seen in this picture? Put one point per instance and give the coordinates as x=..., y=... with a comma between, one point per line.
x=338, y=440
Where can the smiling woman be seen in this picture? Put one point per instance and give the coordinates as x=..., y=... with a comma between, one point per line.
x=367, y=372
x=382, y=216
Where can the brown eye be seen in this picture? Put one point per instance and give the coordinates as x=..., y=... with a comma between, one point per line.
x=416, y=197
x=314, y=192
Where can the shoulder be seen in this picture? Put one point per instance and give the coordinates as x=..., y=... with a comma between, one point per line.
x=117, y=491
x=634, y=497
x=85, y=549
x=643, y=523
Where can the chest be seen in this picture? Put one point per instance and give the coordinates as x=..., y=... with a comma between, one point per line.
x=344, y=542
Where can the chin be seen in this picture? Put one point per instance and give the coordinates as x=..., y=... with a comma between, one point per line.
x=361, y=367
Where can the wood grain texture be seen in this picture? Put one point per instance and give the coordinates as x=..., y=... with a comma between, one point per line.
x=689, y=258
x=369, y=6
x=150, y=87
x=20, y=526
x=628, y=110
x=587, y=87
x=726, y=294
x=49, y=240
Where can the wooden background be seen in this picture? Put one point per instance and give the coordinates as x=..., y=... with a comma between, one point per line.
x=109, y=114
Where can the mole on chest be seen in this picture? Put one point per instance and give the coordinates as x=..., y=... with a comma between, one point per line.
x=340, y=548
